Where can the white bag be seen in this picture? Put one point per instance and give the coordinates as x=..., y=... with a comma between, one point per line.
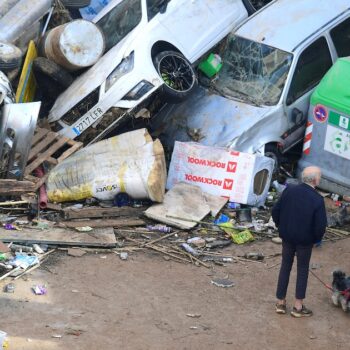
x=130, y=163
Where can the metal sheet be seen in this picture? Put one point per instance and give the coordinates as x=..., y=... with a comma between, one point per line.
x=16, y=131
x=21, y=16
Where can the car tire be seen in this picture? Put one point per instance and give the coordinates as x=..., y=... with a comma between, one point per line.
x=51, y=78
x=10, y=57
x=177, y=88
x=272, y=151
x=76, y=3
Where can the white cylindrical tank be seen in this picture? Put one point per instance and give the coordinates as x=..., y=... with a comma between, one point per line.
x=74, y=45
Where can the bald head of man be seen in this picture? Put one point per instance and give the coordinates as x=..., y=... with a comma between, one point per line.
x=311, y=176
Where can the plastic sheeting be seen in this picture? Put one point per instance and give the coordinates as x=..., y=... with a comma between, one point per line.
x=131, y=163
x=243, y=178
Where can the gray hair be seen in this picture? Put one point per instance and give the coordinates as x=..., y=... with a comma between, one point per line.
x=310, y=175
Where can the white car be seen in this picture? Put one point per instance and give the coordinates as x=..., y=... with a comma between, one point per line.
x=149, y=44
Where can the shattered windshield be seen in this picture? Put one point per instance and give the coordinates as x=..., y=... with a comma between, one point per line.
x=120, y=21
x=253, y=72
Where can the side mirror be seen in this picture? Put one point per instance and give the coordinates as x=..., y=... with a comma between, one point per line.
x=297, y=116
x=164, y=6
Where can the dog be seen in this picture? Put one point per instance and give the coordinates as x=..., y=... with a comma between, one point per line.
x=341, y=290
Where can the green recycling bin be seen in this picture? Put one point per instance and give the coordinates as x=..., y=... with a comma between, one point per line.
x=327, y=136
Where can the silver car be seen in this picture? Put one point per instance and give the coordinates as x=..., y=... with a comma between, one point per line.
x=259, y=101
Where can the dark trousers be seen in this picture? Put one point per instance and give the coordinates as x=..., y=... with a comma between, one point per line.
x=303, y=254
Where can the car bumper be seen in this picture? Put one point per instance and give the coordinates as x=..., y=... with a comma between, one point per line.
x=114, y=97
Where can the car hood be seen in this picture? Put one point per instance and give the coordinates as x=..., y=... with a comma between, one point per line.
x=92, y=78
x=207, y=118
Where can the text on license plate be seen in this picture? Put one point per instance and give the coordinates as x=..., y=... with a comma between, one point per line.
x=88, y=120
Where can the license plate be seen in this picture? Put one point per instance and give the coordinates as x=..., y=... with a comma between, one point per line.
x=87, y=121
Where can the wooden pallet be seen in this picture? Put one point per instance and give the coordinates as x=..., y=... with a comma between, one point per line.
x=45, y=144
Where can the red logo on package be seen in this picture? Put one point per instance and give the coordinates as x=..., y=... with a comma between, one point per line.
x=231, y=167
x=228, y=184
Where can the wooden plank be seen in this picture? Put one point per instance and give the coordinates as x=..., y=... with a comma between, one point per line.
x=75, y=147
x=9, y=187
x=98, y=212
x=52, y=161
x=45, y=155
x=39, y=135
x=50, y=137
x=103, y=223
x=101, y=237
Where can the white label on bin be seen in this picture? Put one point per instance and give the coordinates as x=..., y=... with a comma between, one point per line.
x=337, y=142
x=343, y=122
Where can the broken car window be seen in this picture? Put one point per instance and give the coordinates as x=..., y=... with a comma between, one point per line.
x=253, y=72
x=120, y=21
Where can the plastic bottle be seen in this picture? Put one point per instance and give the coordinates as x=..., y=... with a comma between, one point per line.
x=159, y=228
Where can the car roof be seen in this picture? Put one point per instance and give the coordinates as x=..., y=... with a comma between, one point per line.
x=285, y=24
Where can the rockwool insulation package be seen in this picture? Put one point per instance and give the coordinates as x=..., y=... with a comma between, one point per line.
x=131, y=163
x=243, y=178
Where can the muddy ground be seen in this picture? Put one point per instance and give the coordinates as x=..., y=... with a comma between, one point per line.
x=101, y=302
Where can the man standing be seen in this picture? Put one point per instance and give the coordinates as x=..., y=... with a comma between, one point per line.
x=300, y=216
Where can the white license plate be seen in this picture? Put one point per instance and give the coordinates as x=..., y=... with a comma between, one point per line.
x=87, y=121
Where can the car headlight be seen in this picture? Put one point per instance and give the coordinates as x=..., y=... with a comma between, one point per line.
x=124, y=67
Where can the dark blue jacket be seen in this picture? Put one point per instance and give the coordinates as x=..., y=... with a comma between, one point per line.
x=300, y=215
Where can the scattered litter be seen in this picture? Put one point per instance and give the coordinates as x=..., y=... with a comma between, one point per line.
x=194, y=315
x=38, y=249
x=197, y=241
x=159, y=228
x=9, y=288
x=56, y=336
x=189, y=249
x=24, y=261
x=3, y=340
x=4, y=248
x=11, y=227
x=255, y=256
x=183, y=206
x=103, y=257
x=123, y=256
x=315, y=266
x=224, y=283
x=193, y=327
x=84, y=229
x=39, y=290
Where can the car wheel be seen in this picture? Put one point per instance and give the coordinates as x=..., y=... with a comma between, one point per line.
x=51, y=78
x=76, y=3
x=10, y=57
x=178, y=75
x=272, y=151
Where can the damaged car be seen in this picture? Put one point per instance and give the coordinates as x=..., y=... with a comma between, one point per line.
x=258, y=102
x=150, y=45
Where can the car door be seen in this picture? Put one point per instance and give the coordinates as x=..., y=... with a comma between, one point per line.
x=313, y=63
x=194, y=24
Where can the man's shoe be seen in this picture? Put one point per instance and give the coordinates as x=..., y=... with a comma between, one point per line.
x=304, y=312
x=281, y=309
